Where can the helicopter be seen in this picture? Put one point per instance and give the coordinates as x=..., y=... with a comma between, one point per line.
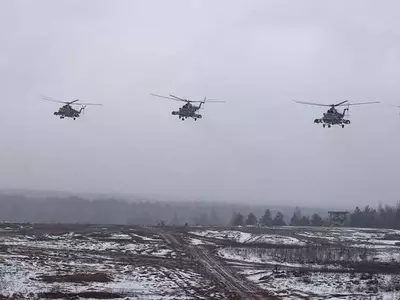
x=188, y=110
x=333, y=116
x=67, y=111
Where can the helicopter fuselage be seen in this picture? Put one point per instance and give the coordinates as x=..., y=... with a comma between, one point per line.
x=188, y=111
x=333, y=117
x=68, y=112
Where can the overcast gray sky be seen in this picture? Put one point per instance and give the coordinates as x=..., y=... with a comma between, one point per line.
x=256, y=55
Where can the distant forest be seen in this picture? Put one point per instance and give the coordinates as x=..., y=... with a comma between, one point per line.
x=72, y=209
x=17, y=208
x=382, y=217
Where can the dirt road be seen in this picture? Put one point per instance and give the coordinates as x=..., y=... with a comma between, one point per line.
x=234, y=284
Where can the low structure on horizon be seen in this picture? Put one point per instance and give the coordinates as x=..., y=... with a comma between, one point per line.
x=338, y=218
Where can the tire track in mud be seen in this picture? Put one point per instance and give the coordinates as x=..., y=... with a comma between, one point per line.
x=240, y=287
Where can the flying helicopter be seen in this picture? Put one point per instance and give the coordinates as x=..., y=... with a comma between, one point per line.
x=188, y=110
x=67, y=111
x=333, y=116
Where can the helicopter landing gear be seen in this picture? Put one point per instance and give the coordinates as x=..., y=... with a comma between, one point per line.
x=342, y=125
x=74, y=119
x=323, y=125
x=329, y=125
x=195, y=119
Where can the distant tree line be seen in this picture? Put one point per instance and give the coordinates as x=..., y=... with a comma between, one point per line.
x=382, y=217
x=17, y=208
x=265, y=220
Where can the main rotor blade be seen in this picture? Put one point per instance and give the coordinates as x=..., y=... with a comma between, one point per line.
x=186, y=100
x=164, y=97
x=72, y=102
x=181, y=99
x=83, y=103
x=213, y=101
x=53, y=100
x=311, y=103
x=362, y=103
x=341, y=103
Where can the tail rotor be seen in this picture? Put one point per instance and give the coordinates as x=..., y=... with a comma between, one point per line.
x=347, y=113
x=204, y=101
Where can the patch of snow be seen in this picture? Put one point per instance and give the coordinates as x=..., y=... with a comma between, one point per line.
x=323, y=285
x=144, y=238
x=248, y=238
x=162, y=252
x=120, y=236
x=196, y=242
x=247, y=255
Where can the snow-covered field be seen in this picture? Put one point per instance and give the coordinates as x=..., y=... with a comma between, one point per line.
x=317, y=285
x=314, y=263
x=248, y=238
x=118, y=262
x=359, y=236
x=98, y=263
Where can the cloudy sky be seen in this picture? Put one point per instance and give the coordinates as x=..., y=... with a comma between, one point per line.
x=257, y=55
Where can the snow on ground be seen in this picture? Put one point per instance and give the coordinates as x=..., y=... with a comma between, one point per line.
x=328, y=275
x=274, y=239
x=155, y=274
x=145, y=281
x=248, y=238
x=196, y=242
x=326, y=285
x=143, y=264
x=162, y=252
x=121, y=236
x=350, y=235
x=144, y=238
x=116, y=242
x=249, y=255
x=232, y=235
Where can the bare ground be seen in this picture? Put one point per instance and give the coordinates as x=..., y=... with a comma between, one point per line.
x=126, y=262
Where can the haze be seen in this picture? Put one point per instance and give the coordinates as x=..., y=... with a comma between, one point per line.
x=256, y=55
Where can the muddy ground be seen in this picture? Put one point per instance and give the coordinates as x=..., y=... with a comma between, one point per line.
x=57, y=261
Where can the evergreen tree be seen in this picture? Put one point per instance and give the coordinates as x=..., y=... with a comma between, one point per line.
x=251, y=220
x=396, y=223
x=266, y=219
x=278, y=220
x=316, y=220
x=356, y=218
x=296, y=219
x=237, y=219
x=388, y=217
x=382, y=217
